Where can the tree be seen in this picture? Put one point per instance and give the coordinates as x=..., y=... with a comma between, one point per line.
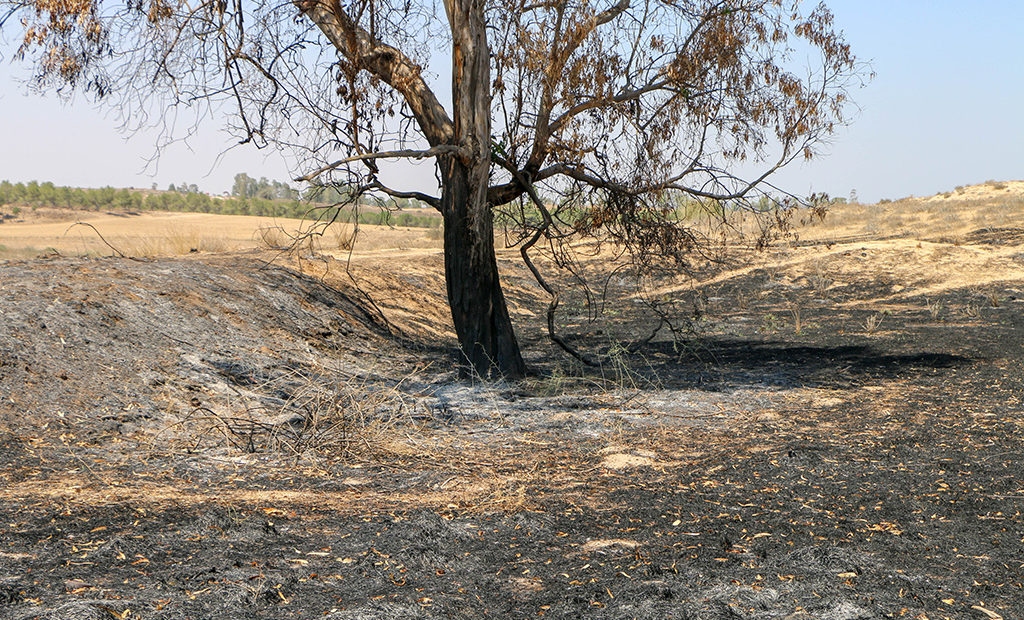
x=244, y=186
x=613, y=106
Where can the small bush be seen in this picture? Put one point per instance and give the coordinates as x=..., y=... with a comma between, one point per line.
x=273, y=237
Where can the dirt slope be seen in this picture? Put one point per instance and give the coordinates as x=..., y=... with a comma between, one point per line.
x=134, y=342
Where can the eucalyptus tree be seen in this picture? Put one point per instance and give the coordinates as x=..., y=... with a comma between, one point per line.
x=616, y=107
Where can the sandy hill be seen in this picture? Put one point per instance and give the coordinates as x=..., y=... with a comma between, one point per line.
x=989, y=190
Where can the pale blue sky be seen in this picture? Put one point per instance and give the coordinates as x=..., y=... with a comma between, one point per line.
x=944, y=109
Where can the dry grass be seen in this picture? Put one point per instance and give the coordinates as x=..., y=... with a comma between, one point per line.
x=947, y=217
x=911, y=251
x=175, y=234
x=326, y=412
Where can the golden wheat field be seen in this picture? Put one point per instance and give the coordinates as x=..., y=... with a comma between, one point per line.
x=70, y=233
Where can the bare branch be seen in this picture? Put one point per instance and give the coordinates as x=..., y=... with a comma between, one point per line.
x=102, y=238
x=384, y=61
x=524, y=251
x=599, y=182
x=430, y=200
x=443, y=149
x=629, y=95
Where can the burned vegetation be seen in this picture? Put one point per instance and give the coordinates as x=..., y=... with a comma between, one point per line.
x=211, y=436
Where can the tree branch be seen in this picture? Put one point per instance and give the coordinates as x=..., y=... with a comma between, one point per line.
x=443, y=149
x=624, y=96
x=384, y=61
x=559, y=56
x=524, y=251
x=430, y=200
x=583, y=176
x=507, y=192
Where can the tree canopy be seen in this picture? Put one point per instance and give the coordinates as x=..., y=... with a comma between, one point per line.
x=613, y=107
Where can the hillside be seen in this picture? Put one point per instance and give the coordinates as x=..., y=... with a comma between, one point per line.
x=946, y=216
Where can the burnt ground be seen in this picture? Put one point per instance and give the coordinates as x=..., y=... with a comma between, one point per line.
x=207, y=438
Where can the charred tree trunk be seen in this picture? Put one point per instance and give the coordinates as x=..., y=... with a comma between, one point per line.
x=478, y=307
x=479, y=312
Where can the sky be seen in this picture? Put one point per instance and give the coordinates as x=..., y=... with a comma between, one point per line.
x=944, y=109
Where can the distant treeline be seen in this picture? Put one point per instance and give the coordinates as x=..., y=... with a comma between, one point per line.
x=275, y=199
x=187, y=198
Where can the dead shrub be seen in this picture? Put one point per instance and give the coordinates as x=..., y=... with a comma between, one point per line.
x=873, y=322
x=299, y=413
x=273, y=237
x=820, y=280
x=343, y=237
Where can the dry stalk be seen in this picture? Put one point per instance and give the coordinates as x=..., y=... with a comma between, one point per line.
x=329, y=413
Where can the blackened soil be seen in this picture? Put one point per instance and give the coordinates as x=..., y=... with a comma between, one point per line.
x=893, y=489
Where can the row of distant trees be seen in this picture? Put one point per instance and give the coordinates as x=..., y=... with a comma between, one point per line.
x=247, y=187
x=249, y=197
x=34, y=194
x=262, y=197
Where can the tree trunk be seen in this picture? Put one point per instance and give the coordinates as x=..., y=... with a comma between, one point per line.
x=479, y=312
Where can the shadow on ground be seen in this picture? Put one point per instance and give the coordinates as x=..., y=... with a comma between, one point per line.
x=723, y=364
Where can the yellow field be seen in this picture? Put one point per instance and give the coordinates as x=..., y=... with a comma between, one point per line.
x=947, y=218
x=168, y=234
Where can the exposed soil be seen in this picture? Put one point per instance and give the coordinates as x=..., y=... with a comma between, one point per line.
x=215, y=438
